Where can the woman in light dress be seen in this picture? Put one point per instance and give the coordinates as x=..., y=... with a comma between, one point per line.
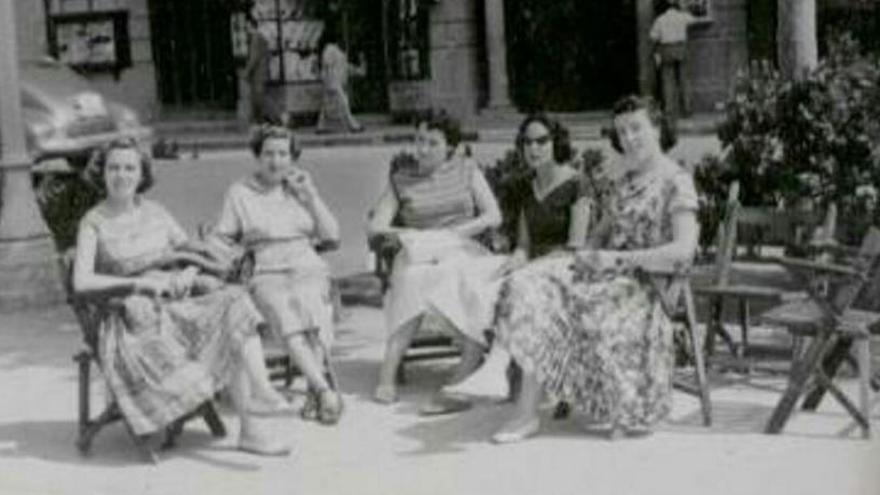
x=278, y=215
x=434, y=206
x=179, y=336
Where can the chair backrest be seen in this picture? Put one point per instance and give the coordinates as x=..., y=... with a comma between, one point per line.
x=88, y=315
x=864, y=294
x=746, y=232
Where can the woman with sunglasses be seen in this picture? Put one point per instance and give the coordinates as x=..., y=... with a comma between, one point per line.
x=588, y=328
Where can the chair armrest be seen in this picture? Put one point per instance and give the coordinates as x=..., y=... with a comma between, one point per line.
x=797, y=264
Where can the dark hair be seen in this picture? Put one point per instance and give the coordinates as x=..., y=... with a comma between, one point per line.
x=94, y=171
x=562, y=148
x=261, y=133
x=441, y=121
x=633, y=103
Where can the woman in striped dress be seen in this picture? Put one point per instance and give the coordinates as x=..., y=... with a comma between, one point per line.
x=434, y=207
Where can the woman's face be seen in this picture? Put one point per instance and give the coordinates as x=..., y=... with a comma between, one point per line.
x=537, y=144
x=275, y=160
x=431, y=147
x=639, y=138
x=122, y=173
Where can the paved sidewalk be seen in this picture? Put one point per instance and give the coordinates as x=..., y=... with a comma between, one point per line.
x=389, y=449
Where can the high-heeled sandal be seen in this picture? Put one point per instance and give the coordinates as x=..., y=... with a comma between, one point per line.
x=309, y=411
x=327, y=414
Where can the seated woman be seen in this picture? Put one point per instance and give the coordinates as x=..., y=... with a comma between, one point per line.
x=588, y=328
x=277, y=214
x=552, y=215
x=163, y=353
x=437, y=203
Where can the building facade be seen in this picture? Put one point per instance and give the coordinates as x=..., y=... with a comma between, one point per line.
x=167, y=57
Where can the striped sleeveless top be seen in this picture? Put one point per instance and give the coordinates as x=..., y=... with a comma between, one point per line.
x=442, y=198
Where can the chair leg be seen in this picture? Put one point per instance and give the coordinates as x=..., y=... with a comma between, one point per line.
x=830, y=365
x=212, y=419
x=696, y=338
x=744, y=319
x=863, y=349
x=84, y=362
x=801, y=371
x=143, y=445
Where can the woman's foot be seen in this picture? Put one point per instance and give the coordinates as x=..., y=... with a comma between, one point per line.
x=260, y=445
x=441, y=403
x=482, y=383
x=385, y=394
x=518, y=429
x=275, y=406
x=329, y=406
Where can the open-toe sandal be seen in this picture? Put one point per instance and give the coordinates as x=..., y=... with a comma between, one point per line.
x=309, y=411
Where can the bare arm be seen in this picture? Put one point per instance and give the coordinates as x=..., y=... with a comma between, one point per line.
x=85, y=279
x=489, y=213
x=325, y=222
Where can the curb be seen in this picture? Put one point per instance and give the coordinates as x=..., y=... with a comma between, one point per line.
x=226, y=141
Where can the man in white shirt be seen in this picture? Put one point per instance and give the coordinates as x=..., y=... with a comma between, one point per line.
x=669, y=34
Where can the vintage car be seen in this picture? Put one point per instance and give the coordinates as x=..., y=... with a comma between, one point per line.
x=65, y=117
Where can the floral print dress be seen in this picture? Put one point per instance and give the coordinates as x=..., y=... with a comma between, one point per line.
x=598, y=337
x=161, y=358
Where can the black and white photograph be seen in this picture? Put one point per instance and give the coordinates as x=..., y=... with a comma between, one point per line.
x=437, y=247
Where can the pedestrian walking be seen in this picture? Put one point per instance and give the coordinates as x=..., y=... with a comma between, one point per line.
x=669, y=33
x=335, y=109
x=256, y=72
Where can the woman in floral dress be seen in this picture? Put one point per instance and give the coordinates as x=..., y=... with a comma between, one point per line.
x=180, y=336
x=588, y=328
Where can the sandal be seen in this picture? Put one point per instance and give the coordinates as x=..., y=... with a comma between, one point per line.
x=327, y=414
x=309, y=411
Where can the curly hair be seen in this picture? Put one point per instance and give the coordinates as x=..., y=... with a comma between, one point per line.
x=633, y=103
x=260, y=134
x=441, y=121
x=94, y=171
x=563, y=151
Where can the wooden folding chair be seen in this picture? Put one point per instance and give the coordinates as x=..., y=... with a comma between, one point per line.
x=90, y=309
x=749, y=241
x=674, y=289
x=828, y=317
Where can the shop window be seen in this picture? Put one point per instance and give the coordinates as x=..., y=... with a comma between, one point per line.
x=294, y=29
x=89, y=35
x=409, y=34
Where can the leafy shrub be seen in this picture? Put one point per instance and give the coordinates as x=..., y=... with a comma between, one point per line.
x=809, y=142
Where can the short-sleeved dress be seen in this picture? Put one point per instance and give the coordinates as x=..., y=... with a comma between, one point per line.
x=600, y=339
x=162, y=358
x=291, y=282
x=437, y=199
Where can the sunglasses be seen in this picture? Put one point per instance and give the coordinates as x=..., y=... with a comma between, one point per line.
x=541, y=140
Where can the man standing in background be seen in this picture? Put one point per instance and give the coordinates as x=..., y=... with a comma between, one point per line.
x=669, y=34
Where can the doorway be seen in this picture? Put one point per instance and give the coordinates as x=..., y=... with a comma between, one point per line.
x=192, y=51
x=571, y=55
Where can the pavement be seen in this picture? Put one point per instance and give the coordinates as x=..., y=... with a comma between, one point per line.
x=382, y=450
x=202, y=135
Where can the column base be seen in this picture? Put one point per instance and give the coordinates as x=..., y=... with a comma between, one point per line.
x=30, y=273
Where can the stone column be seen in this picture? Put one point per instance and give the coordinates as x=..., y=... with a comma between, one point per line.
x=644, y=20
x=28, y=258
x=496, y=51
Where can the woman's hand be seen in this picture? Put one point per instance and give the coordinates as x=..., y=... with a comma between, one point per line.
x=153, y=286
x=516, y=261
x=300, y=184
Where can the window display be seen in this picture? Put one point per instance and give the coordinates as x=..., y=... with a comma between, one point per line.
x=89, y=34
x=293, y=29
